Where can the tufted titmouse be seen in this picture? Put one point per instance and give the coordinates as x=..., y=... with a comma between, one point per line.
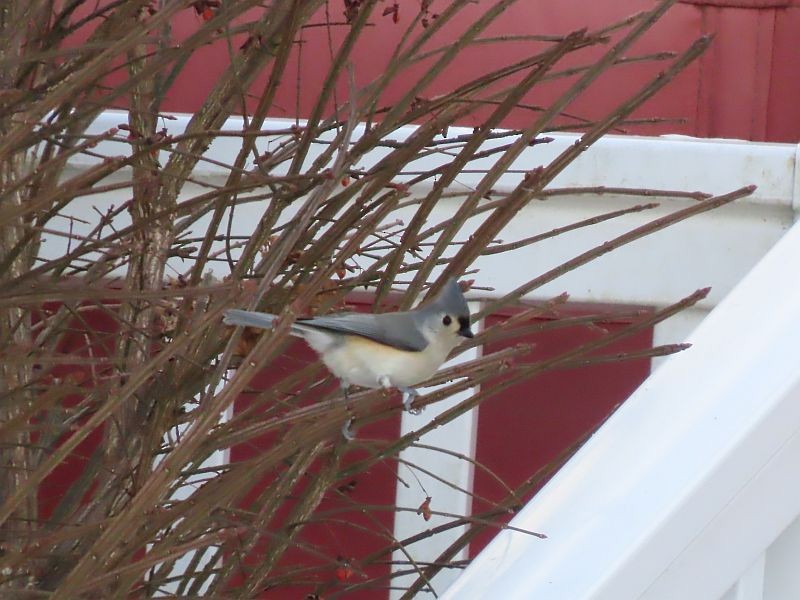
x=399, y=349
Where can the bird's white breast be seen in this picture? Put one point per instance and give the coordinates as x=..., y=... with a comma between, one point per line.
x=364, y=362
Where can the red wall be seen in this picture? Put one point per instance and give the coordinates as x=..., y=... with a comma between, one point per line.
x=528, y=427
x=348, y=533
x=69, y=383
x=746, y=86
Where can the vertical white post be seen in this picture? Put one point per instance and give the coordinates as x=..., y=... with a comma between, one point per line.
x=449, y=493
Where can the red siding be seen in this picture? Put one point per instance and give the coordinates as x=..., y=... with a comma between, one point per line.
x=746, y=86
x=347, y=531
x=81, y=343
x=783, y=109
x=528, y=426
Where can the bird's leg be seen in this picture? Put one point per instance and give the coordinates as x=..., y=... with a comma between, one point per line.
x=409, y=394
x=347, y=428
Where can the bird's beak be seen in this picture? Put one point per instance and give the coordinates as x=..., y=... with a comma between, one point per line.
x=465, y=331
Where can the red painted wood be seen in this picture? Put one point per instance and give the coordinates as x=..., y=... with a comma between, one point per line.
x=741, y=3
x=347, y=532
x=307, y=67
x=783, y=107
x=80, y=342
x=735, y=86
x=745, y=87
x=526, y=427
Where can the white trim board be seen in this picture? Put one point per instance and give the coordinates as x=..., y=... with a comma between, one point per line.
x=681, y=490
x=715, y=249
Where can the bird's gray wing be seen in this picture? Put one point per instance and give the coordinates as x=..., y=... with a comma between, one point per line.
x=394, y=329
x=247, y=318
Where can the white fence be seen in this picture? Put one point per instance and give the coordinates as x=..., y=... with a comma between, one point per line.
x=690, y=490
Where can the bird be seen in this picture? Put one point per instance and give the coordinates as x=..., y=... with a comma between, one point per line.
x=387, y=350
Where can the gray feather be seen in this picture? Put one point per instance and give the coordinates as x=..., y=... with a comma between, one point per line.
x=449, y=300
x=247, y=318
x=394, y=329
x=397, y=329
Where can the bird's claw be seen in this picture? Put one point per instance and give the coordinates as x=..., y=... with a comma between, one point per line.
x=409, y=394
x=347, y=430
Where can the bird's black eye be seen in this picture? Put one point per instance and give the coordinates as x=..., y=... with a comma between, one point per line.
x=447, y=320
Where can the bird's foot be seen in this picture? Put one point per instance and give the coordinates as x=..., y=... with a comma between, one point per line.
x=409, y=394
x=347, y=430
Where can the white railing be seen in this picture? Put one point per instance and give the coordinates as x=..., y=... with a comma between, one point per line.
x=690, y=490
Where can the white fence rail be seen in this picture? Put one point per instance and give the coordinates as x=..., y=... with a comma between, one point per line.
x=690, y=490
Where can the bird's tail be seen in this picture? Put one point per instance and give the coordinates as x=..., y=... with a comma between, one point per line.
x=247, y=318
